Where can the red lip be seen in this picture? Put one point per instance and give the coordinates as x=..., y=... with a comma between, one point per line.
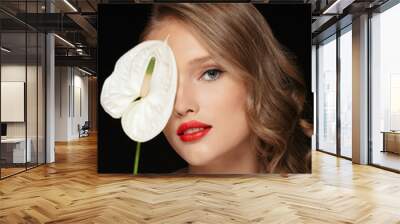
x=195, y=135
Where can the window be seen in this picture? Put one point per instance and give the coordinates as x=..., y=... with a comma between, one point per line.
x=327, y=95
x=346, y=92
x=385, y=88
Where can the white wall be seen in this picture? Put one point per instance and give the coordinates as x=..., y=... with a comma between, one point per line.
x=61, y=103
x=80, y=109
x=71, y=102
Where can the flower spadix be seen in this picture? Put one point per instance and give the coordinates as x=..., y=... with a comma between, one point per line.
x=141, y=89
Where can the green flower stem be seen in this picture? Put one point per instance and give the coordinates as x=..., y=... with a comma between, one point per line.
x=137, y=155
x=143, y=92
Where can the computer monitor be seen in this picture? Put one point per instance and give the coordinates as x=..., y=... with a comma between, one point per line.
x=3, y=129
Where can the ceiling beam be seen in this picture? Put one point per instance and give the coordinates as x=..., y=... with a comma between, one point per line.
x=83, y=61
x=86, y=26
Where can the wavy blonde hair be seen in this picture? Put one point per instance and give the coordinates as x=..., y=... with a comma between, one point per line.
x=239, y=35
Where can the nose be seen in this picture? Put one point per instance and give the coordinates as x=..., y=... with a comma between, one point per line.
x=185, y=100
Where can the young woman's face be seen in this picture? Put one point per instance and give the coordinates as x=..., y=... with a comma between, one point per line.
x=208, y=125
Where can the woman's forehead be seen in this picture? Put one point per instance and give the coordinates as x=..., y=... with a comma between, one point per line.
x=189, y=49
x=181, y=39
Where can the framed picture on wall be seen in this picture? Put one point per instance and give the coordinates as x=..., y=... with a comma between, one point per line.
x=12, y=101
x=205, y=88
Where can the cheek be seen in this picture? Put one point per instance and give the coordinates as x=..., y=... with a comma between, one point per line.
x=222, y=105
x=226, y=100
x=169, y=130
x=226, y=106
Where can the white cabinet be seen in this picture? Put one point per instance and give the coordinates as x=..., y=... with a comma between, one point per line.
x=18, y=149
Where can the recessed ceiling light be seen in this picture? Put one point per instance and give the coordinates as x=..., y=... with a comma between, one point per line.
x=64, y=40
x=337, y=7
x=84, y=71
x=70, y=5
x=5, y=50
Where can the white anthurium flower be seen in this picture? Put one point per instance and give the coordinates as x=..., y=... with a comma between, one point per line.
x=141, y=90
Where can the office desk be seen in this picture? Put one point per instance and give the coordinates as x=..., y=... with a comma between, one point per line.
x=17, y=150
x=391, y=141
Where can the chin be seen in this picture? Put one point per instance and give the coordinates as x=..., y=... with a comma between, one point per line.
x=198, y=161
x=196, y=155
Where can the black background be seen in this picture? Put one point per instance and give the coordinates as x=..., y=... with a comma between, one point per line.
x=119, y=27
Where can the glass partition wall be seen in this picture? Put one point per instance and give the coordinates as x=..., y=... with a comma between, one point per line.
x=22, y=87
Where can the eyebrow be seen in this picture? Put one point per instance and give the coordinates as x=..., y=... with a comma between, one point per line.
x=200, y=60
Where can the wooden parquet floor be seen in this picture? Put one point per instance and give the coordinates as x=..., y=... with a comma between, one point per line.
x=71, y=191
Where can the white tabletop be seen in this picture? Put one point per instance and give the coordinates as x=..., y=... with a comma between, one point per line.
x=13, y=140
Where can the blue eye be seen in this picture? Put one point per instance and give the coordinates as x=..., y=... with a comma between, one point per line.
x=211, y=74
